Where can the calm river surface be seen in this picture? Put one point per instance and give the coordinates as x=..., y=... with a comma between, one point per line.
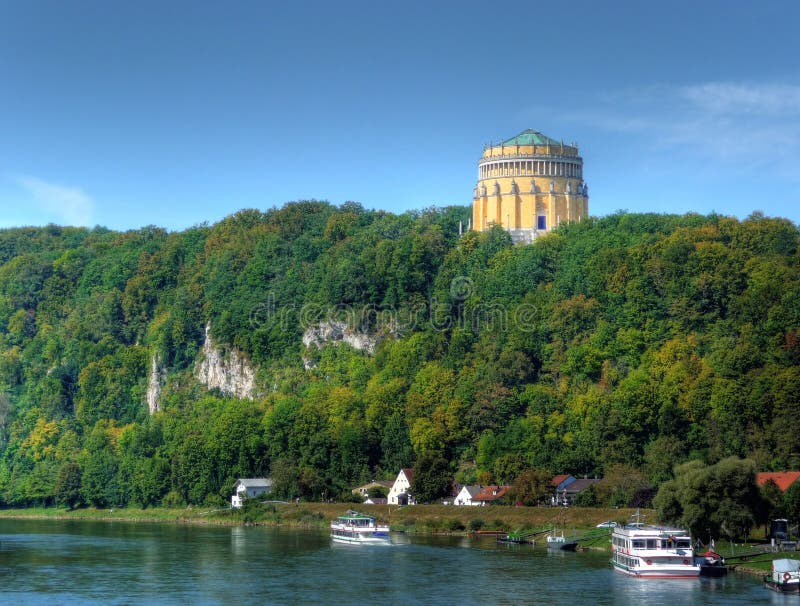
x=58, y=562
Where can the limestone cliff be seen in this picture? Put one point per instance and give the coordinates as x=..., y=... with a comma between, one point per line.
x=229, y=371
x=335, y=332
x=154, y=384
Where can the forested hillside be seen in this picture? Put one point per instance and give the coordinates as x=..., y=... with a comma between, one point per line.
x=631, y=342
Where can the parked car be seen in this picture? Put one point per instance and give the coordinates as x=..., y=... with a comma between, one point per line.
x=609, y=524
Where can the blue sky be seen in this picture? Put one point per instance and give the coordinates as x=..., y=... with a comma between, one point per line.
x=177, y=113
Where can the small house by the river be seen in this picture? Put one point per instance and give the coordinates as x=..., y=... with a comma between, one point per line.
x=466, y=496
x=246, y=488
x=491, y=495
x=399, y=494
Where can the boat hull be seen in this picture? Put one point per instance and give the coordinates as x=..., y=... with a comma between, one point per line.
x=361, y=539
x=683, y=572
x=713, y=570
x=782, y=587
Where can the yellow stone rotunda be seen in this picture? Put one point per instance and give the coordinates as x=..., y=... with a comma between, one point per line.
x=529, y=184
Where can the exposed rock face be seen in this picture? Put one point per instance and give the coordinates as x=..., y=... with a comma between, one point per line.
x=157, y=376
x=336, y=332
x=229, y=371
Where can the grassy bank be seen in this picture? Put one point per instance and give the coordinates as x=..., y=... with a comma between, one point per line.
x=416, y=518
x=761, y=564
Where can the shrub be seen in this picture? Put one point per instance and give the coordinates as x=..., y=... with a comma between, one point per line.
x=476, y=524
x=454, y=525
x=173, y=499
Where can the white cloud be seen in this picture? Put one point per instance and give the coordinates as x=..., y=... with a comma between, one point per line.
x=67, y=205
x=726, y=98
x=755, y=125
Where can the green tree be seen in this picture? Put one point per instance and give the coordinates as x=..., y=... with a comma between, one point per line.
x=623, y=486
x=712, y=499
x=531, y=486
x=285, y=478
x=791, y=502
x=432, y=478
x=99, y=480
x=773, y=500
x=68, y=485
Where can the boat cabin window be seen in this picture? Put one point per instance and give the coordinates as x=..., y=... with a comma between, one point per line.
x=651, y=543
x=638, y=543
x=675, y=543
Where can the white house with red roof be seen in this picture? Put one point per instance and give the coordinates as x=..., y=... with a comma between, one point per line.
x=466, y=496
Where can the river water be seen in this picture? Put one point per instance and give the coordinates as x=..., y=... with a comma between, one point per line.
x=73, y=562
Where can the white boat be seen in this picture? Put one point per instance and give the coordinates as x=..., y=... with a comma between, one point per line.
x=785, y=577
x=656, y=552
x=557, y=540
x=357, y=528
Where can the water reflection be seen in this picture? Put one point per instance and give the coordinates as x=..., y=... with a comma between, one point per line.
x=238, y=540
x=91, y=562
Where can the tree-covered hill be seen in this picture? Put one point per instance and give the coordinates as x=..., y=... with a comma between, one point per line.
x=628, y=342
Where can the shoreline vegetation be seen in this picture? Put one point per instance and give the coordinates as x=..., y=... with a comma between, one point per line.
x=422, y=519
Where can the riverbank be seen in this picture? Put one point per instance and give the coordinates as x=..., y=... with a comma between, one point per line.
x=761, y=564
x=429, y=519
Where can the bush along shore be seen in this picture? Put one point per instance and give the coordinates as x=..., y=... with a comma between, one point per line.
x=423, y=519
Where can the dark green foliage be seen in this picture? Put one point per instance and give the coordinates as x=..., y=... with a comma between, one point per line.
x=623, y=486
x=791, y=503
x=713, y=500
x=531, y=487
x=67, y=490
x=475, y=524
x=377, y=492
x=433, y=478
x=773, y=500
x=615, y=347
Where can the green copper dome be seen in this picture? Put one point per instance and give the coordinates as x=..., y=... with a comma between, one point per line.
x=531, y=137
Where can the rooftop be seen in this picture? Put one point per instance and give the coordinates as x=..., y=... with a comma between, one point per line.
x=531, y=137
x=491, y=493
x=559, y=479
x=254, y=482
x=783, y=479
x=472, y=490
x=580, y=485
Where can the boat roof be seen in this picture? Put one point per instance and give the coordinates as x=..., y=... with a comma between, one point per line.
x=785, y=565
x=650, y=529
x=355, y=515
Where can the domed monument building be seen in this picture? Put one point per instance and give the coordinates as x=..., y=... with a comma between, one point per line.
x=529, y=184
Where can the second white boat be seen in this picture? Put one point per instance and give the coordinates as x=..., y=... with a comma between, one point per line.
x=357, y=528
